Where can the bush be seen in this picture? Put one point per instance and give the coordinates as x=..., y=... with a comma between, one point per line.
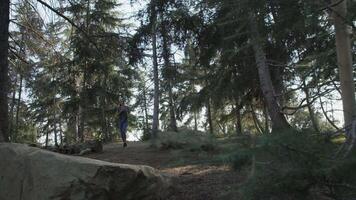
x=294, y=165
x=186, y=139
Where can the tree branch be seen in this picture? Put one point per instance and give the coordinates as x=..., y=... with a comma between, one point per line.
x=71, y=22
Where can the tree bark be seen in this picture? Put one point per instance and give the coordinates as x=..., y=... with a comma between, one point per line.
x=13, y=102
x=238, y=117
x=145, y=108
x=155, y=122
x=279, y=121
x=55, y=120
x=4, y=69
x=265, y=113
x=310, y=108
x=344, y=59
x=47, y=139
x=282, y=56
x=256, y=121
x=169, y=76
x=103, y=120
x=209, y=116
x=81, y=122
x=195, y=121
x=16, y=133
x=83, y=104
x=60, y=132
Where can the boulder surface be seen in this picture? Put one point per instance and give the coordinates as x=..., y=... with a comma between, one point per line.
x=28, y=173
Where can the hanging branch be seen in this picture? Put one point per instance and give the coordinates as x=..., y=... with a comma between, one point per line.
x=327, y=117
x=330, y=8
x=331, y=5
x=71, y=22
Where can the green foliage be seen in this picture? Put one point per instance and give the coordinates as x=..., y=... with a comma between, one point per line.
x=294, y=165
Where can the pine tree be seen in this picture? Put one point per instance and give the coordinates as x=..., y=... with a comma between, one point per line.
x=4, y=79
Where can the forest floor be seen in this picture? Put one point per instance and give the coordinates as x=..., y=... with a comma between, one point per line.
x=194, y=175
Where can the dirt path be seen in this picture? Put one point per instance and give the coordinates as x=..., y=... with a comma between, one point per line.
x=192, y=181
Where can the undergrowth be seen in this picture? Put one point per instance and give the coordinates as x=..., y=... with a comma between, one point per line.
x=297, y=166
x=193, y=141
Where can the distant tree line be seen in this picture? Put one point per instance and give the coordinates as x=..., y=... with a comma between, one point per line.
x=238, y=66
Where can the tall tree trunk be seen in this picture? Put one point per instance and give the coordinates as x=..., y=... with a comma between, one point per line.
x=46, y=144
x=145, y=109
x=12, y=107
x=83, y=104
x=344, y=58
x=16, y=133
x=81, y=123
x=4, y=69
x=55, y=133
x=209, y=116
x=155, y=122
x=238, y=117
x=103, y=121
x=279, y=121
x=70, y=133
x=168, y=77
x=195, y=121
x=77, y=124
x=310, y=108
x=282, y=56
x=173, y=120
x=55, y=121
x=60, y=132
x=83, y=94
x=265, y=113
x=256, y=121
x=103, y=125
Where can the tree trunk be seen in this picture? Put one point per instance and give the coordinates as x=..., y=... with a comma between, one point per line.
x=310, y=108
x=155, y=122
x=173, y=121
x=18, y=110
x=103, y=103
x=81, y=114
x=238, y=117
x=282, y=56
x=81, y=123
x=145, y=108
x=265, y=113
x=169, y=77
x=344, y=58
x=83, y=104
x=55, y=133
x=210, y=120
x=55, y=121
x=4, y=69
x=13, y=102
x=46, y=144
x=195, y=121
x=279, y=121
x=256, y=121
x=60, y=132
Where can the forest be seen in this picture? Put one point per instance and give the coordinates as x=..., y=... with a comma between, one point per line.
x=227, y=99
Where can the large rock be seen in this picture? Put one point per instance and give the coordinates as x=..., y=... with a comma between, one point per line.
x=28, y=173
x=95, y=146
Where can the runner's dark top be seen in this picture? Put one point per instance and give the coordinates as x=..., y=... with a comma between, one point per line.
x=123, y=110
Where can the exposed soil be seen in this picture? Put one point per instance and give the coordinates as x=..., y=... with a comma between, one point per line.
x=193, y=178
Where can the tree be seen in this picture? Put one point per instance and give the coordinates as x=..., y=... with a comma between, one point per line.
x=153, y=21
x=344, y=59
x=279, y=121
x=4, y=83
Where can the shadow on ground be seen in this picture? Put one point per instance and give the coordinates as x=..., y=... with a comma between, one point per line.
x=198, y=181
